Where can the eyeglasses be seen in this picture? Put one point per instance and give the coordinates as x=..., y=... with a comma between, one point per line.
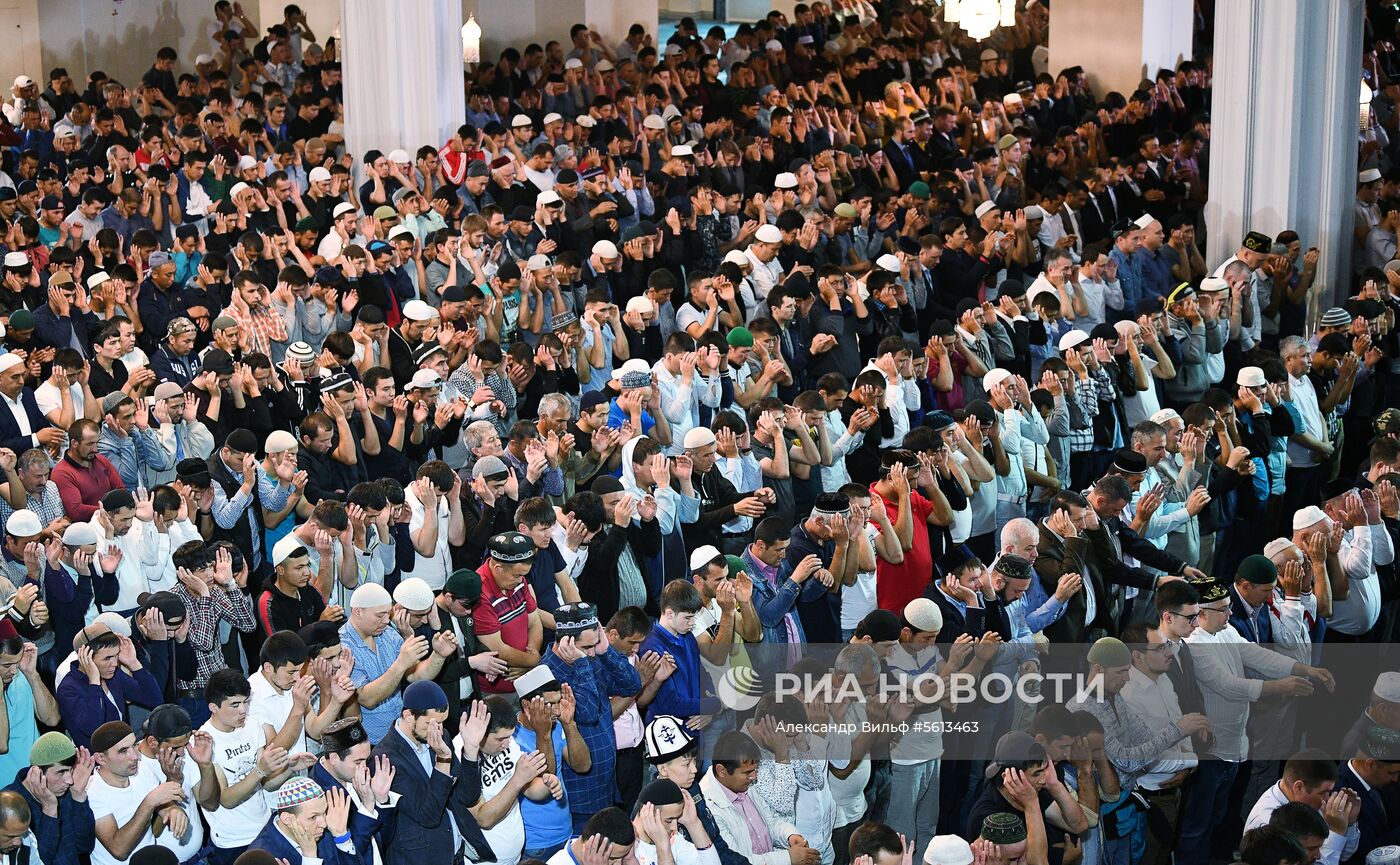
x=1191, y=618
x=1215, y=610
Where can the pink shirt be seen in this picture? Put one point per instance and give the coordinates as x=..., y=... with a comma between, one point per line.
x=627, y=729
x=758, y=830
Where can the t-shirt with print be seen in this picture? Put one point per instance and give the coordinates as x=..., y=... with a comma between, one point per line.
x=236, y=755
x=507, y=615
x=507, y=837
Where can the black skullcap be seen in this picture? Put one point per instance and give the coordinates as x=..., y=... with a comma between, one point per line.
x=155, y=855
x=1014, y=567
x=954, y=560
x=319, y=635
x=115, y=500
x=370, y=314
x=1011, y=288
x=1104, y=331
x=1129, y=462
x=661, y=792
x=607, y=484
x=216, y=360
x=167, y=722
x=109, y=734
x=965, y=305
x=453, y=294
x=343, y=735
x=507, y=271
x=982, y=410
x=242, y=440
x=831, y=503
x=193, y=471
x=252, y=857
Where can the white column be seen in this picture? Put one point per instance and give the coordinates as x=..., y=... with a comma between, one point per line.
x=1120, y=42
x=1284, y=127
x=403, y=73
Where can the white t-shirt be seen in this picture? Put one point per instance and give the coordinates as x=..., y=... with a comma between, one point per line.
x=507, y=838
x=848, y=792
x=153, y=776
x=121, y=803
x=49, y=398
x=433, y=569
x=858, y=601
x=1142, y=405
x=266, y=706
x=236, y=753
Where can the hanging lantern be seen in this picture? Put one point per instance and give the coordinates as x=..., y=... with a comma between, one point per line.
x=1365, y=105
x=471, y=41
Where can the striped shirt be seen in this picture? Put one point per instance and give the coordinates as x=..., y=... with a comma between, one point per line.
x=507, y=614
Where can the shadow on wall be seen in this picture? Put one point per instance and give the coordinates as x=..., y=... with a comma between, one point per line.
x=121, y=38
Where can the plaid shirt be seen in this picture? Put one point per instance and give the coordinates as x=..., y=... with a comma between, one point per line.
x=1099, y=388
x=595, y=681
x=466, y=383
x=47, y=505
x=261, y=327
x=205, y=614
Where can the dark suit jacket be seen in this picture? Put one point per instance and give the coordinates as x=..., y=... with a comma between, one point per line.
x=903, y=164
x=421, y=833
x=10, y=435
x=362, y=828
x=1057, y=557
x=1378, y=827
x=273, y=841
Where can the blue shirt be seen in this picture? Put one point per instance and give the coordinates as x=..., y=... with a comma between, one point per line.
x=685, y=693
x=616, y=416
x=370, y=664
x=19, y=703
x=547, y=823
x=1130, y=278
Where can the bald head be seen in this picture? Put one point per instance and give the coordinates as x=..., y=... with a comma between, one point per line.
x=14, y=820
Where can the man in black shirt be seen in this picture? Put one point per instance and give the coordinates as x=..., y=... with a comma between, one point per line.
x=291, y=602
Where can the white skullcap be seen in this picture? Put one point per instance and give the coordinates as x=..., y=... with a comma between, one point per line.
x=702, y=556
x=24, y=524
x=370, y=595
x=1388, y=687
x=698, y=437
x=923, y=613
x=1276, y=546
x=10, y=359
x=994, y=377
x=641, y=304
x=413, y=594
x=605, y=249
x=888, y=262
x=948, y=849
x=984, y=208
x=289, y=545
x=1072, y=338
x=1165, y=416
x=1308, y=516
x=1144, y=221
x=768, y=234
x=736, y=256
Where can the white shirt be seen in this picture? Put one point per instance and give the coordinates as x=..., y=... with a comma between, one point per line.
x=331, y=246
x=1362, y=549
x=266, y=706
x=121, y=804
x=141, y=568
x=1304, y=397
x=1016, y=425
x=1098, y=297
x=1226, y=690
x=183, y=848
x=50, y=400
x=1156, y=699
x=764, y=276
x=858, y=599
x=16, y=407
x=835, y=476
x=1334, y=849
x=433, y=569
x=682, y=851
x=848, y=792
x=236, y=755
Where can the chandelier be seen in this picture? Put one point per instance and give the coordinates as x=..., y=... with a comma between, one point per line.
x=980, y=17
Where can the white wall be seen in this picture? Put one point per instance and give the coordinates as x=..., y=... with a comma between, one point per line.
x=121, y=38
x=520, y=22
x=1119, y=42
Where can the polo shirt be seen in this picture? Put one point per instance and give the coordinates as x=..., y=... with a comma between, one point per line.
x=504, y=614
